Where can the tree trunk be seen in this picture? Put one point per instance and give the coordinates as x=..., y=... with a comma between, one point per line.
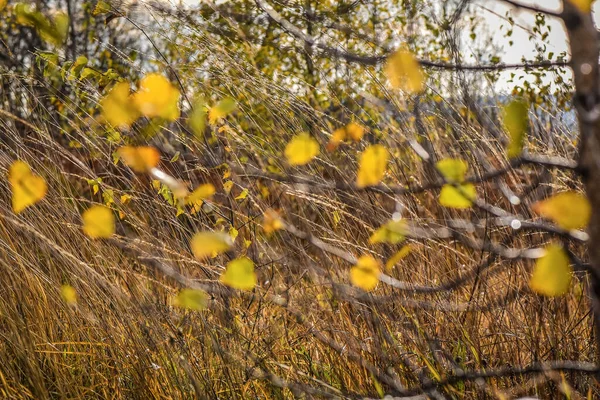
x=584, y=45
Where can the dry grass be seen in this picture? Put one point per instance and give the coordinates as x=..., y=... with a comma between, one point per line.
x=303, y=331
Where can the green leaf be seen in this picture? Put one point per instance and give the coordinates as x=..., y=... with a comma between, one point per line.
x=516, y=121
x=552, y=273
x=460, y=197
x=240, y=274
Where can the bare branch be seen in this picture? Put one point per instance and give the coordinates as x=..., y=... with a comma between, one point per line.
x=533, y=8
x=343, y=54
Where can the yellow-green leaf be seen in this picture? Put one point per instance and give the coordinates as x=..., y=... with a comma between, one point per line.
x=157, y=97
x=404, y=72
x=117, y=107
x=365, y=274
x=552, y=273
x=140, y=159
x=98, y=222
x=197, y=120
x=27, y=188
x=221, y=110
x=239, y=274
x=392, y=232
x=453, y=169
x=210, y=244
x=191, y=299
x=372, y=166
x=102, y=7
x=569, y=210
x=301, y=149
x=516, y=121
x=461, y=197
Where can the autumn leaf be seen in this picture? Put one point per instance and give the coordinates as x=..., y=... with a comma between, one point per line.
x=239, y=274
x=27, y=188
x=404, y=72
x=271, y=222
x=372, y=166
x=397, y=257
x=337, y=137
x=452, y=169
x=221, y=110
x=157, y=97
x=392, y=232
x=459, y=197
x=552, y=273
x=98, y=222
x=140, y=159
x=68, y=294
x=585, y=6
x=117, y=107
x=192, y=299
x=516, y=121
x=202, y=192
x=301, y=149
x=365, y=274
x=569, y=210
x=210, y=244
x=197, y=119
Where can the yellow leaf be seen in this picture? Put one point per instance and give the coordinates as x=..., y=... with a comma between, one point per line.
x=337, y=137
x=461, y=197
x=202, y=192
x=221, y=110
x=585, y=6
x=233, y=233
x=365, y=274
x=271, y=222
x=355, y=131
x=125, y=199
x=3, y=4
x=516, y=120
x=227, y=186
x=191, y=299
x=392, y=232
x=27, y=188
x=397, y=257
x=157, y=97
x=98, y=222
x=453, y=169
x=301, y=149
x=552, y=273
x=140, y=159
x=372, y=166
x=117, y=107
x=68, y=294
x=404, y=72
x=569, y=210
x=239, y=274
x=208, y=244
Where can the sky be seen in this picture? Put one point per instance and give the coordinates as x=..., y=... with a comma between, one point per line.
x=491, y=13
